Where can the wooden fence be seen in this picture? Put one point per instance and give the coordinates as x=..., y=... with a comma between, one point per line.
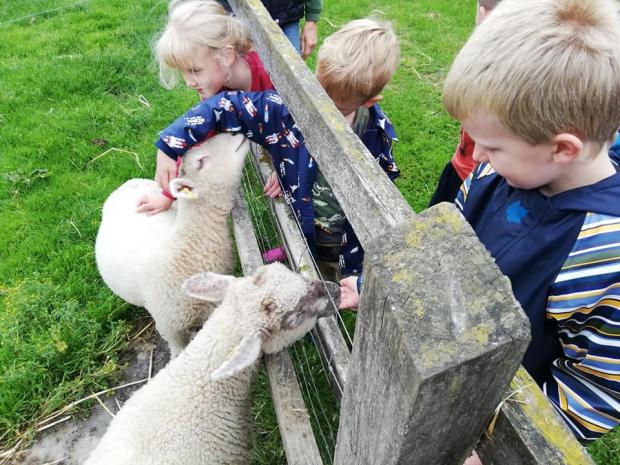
x=439, y=336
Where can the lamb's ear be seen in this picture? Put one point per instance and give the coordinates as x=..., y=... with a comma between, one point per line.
x=246, y=353
x=207, y=286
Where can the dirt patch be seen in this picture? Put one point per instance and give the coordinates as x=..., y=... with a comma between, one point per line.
x=69, y=443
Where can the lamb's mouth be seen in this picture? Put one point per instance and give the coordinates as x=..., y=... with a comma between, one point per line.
x=188, y=190
x=180, y=187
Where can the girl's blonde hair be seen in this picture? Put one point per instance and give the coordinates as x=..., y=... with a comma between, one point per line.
x=542, y=67
x=357, y=61
x=195, y=27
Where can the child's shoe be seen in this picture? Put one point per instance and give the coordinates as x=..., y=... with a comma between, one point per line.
x=275, y=255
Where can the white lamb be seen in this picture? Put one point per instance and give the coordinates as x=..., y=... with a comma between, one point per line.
x=144, y=259
x=197, y=409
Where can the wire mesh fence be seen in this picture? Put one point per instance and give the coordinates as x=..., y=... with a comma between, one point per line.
x=310, y=356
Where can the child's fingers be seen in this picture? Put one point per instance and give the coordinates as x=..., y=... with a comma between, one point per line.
x=166, y=170
x=272, y=187
x=348, y=300
x=143, y=204
x=269, y=183
x=473, y=459
x=144, y=207
x=163, y=178
x=274, y=191
x=349, y=297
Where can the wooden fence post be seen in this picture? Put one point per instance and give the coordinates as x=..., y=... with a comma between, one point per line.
x=439, y=336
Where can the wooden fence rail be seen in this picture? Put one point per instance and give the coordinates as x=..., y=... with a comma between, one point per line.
x=438, y=334
x=356, y=179
x=293, y=420
x=438, y=338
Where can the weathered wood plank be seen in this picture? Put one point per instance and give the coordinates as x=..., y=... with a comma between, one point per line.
x=337, y=354
x=369, y=199
x=293, y=420
x=528, y=431
x=439, y=336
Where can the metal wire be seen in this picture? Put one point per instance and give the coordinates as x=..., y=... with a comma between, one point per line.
x=314, y=263
x=304, y=373
x=327, y=354
x=303, y=376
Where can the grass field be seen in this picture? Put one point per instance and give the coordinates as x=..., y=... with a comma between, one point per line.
x=80, y=107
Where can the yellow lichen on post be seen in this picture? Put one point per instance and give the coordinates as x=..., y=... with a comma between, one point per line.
x=418, y=308
x=431, y=357
x=542, y=414
x=450, y=218
x=479, y=334
x=402, y=276
x=416, y=233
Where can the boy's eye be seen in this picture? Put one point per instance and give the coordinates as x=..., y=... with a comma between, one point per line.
x=201, y=162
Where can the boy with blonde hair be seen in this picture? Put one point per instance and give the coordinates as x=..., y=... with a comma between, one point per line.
x=537, y=87
x=354, y=65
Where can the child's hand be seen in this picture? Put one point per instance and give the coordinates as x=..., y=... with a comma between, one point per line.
x=309, y=38
x=349, y=297
x=473, y=459
x=272, y=187
x=153, y=204
x=166, y=170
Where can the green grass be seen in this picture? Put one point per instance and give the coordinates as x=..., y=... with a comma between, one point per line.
x=77, y=80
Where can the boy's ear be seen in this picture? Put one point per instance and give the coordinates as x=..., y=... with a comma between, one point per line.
x=567, y=148
x=372, y=100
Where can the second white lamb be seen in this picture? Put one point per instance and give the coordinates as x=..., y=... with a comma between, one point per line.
x=196, y=411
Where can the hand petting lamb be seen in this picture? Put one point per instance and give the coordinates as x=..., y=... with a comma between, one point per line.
x=197, y=409
x=144, y=259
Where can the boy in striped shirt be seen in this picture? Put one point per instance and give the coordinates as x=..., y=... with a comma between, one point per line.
x=537, y=87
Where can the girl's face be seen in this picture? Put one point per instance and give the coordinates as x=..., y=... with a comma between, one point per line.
x=207, y=75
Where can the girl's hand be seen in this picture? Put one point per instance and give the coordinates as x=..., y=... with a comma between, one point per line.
x=272, y=187
x=153, y=204
x=166, y=170
x=349, y=297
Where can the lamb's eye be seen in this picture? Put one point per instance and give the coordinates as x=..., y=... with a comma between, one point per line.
x=292, y=320
x=201, y=162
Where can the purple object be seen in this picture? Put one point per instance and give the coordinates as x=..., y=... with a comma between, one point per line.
x=274, y=255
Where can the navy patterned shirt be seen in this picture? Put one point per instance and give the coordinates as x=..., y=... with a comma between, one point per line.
x=264, y=119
